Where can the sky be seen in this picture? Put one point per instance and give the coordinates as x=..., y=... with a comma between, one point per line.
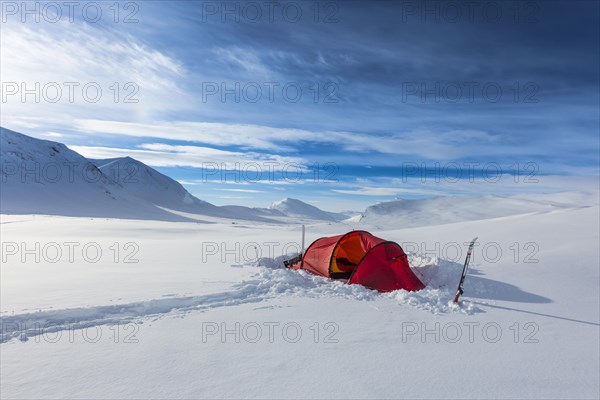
x=338, y=103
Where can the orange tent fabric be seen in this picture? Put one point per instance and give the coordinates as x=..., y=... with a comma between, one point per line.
x=359, y=257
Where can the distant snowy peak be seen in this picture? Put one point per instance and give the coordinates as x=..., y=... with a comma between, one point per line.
x=299, y=209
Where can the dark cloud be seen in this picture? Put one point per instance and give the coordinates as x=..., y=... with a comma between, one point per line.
x=547, y=52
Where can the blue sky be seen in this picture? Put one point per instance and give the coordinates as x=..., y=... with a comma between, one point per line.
x=341, y=104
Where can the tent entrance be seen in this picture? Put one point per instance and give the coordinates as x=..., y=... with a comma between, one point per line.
x=346, y=256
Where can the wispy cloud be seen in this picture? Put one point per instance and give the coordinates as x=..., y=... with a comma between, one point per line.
x=385, y=191
x=372, y=122
x=124, y=77
x=163, y=155
x=505, y=185
x=242, y=190
x=429, y=144
x=246, y=59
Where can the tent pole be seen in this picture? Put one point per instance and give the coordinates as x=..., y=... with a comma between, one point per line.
x=303, y=234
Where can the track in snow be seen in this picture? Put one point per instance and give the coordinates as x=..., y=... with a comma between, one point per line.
x=270, y=282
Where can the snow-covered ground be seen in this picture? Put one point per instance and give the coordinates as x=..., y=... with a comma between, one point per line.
x=150, y=309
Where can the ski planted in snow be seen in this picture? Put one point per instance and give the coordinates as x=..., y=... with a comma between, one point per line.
x=460, y=290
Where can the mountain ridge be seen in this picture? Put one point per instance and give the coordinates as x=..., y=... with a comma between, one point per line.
x=121, y=187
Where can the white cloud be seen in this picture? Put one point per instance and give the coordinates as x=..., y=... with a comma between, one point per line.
x=82, y=53
x=384, y=191
x=219, y=134
x=503, y=184
x=445, y=145
x=218, y=161
x=265, y=180
x=52, y=54
x=245, y=59
x=243, y=190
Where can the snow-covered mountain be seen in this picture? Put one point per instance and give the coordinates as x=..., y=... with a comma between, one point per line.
x=300, y=209
x=407, y=213
x=148, y=184
x=45, y=177
x=144, y=182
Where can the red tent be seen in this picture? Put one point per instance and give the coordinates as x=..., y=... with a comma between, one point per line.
x=359, y=257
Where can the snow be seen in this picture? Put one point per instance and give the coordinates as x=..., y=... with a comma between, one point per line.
x=443, y=210
x=148, y=184
x=176, y=301
x=183, y=322
x=299, y=209
x=45, y=177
